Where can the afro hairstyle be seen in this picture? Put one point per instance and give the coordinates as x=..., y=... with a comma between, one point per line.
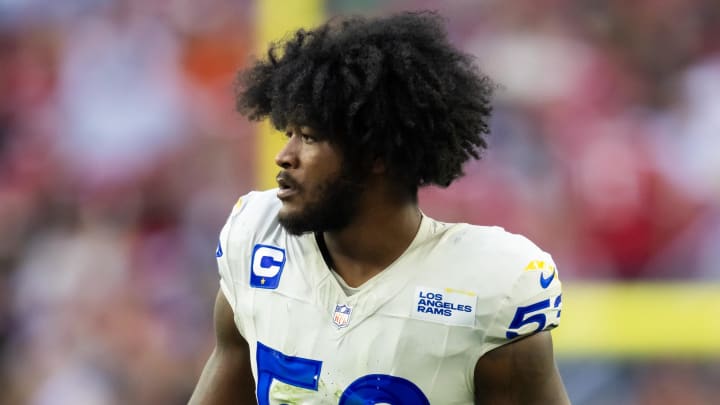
x=391, y=88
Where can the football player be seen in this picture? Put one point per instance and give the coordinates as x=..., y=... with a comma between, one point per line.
x=334, y=287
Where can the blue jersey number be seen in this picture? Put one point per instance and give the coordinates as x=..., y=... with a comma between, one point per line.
x=296, y=371
x=382, y=389
x=305, y=373
x=532, y=314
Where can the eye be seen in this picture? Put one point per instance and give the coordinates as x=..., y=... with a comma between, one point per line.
x=308, y=138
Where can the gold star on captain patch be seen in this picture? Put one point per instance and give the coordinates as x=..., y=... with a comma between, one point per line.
x=262, y=281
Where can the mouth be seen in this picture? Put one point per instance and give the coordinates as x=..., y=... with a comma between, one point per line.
x=287, y=187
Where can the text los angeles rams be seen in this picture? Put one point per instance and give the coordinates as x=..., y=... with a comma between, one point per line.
x=433, y=303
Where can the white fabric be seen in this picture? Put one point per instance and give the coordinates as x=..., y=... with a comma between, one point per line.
x=484, y=272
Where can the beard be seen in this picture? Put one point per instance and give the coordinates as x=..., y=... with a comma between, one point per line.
x=334, y=209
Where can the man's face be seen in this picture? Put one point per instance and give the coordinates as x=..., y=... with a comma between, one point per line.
x=317, y=190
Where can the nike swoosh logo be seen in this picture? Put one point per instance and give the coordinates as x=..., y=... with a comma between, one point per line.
x=545, y=282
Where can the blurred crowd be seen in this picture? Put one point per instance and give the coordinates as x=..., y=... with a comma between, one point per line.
x=608, y=114
x=121, y=155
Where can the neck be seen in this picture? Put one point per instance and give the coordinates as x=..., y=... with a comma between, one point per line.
x=380, y=233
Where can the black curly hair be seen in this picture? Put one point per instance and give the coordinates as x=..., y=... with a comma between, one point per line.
x=390, y=88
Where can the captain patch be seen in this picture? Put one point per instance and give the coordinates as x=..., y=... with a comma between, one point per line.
x=267, y=265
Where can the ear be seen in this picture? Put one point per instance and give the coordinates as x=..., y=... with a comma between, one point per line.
x=378, y=166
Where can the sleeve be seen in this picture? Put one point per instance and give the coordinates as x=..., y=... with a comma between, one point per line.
x=227, y=284
x=532, y=304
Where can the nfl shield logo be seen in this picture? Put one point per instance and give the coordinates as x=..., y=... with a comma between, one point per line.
x=341, y=316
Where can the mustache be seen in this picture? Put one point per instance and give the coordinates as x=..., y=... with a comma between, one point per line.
x=286, y=179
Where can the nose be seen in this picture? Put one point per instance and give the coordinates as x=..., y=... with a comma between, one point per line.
x=287, y=157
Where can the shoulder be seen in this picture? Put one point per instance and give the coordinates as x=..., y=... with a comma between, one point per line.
x=254, y=214
x=253, y=218
x=525, y=281
x=516, y=282
x=521, y=270
x=514, y=256
x=496, y=240
x=492, y=253
x=256, y=207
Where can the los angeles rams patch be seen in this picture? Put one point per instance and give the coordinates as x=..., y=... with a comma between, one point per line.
x=448, y=306
x=266, y=266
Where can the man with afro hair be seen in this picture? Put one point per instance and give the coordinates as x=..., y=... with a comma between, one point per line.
x=334, y=287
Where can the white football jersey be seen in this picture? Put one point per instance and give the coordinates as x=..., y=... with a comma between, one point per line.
x=411, y=335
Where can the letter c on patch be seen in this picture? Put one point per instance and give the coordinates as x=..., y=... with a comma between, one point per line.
x=266, y=266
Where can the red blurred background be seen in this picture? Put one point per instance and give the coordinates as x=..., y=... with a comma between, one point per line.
x=121, y=155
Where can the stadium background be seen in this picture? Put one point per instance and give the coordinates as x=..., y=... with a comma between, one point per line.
x=121, y=155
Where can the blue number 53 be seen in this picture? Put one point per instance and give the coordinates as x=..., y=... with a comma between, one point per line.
x=526, y=315
x=305, y=373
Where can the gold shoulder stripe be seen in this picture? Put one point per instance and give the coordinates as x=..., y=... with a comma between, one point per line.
x=238, y=204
